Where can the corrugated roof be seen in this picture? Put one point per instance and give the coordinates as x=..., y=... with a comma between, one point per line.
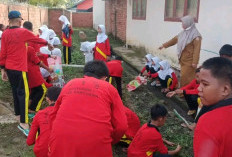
x=85, y=5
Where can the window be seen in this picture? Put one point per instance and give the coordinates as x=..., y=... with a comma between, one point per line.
x=139, y=9
x=175, y=9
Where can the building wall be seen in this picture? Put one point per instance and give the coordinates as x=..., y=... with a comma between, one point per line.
x=38, y=16
x=116, y=18
x=53, y=16
x=82, y=19
x=98, y=13
x=214, y=24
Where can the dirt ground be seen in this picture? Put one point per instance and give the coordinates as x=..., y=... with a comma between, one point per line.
x=12, y=141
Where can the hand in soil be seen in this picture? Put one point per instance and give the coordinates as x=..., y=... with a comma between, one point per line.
x=170, y=143
x=170, y=94
x=178, y=148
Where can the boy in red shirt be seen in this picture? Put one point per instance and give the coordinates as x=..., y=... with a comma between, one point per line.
x=40, y=125
x=13, y=62
x=115, y=70
x=67, y=32
x=88, y=116
x=212, y=135
x=102, y=48
x=35, y=79
x=148, y=141
x=190, y=93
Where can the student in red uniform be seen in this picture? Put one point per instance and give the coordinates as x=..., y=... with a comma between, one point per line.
x=67, y=32
x=148, y=141
x=35, y=80
x=190, y=93
x=148, y=64
x=133, y=123
x=102, y=48
x=115, y=70
x=40, y=125
x=88, y=116
x=166, y=76
x=212, y=135
x=13, y=62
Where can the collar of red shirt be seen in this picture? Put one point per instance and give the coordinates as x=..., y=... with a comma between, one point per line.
x=222, y=103
x=153, y=126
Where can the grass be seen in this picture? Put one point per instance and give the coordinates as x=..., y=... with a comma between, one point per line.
x=140, y=101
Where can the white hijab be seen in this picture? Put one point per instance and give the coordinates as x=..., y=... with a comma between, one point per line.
x=64, y=20
x=156, y=60
x=56, y=41
x=149, y=57
x=166, y=70
x=56, y=52
x=101, y=37
x=45, y=50
x=187, y=35
x=44, y=34
x=51, y=36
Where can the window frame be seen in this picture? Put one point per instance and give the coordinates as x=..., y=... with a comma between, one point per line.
x=136, y=17
x=177, y=19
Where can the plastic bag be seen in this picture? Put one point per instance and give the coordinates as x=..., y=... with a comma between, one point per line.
x=134, y=84
x=57, y=75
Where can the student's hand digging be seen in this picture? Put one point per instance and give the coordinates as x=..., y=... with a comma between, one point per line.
x=170, y=94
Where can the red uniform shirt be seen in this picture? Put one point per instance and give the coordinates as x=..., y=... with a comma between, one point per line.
x=174, y=80
x=13, y=54
x=147, y=141
x=191, y=88
x=88, y=117
x=44, y=58
x=212, y=136
x=115, y=68
x=67, y=41
x=133, y=123
x=35, y=78
x=40, y=123
x=104, y=47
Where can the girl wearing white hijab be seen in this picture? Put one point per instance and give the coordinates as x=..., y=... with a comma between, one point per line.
x=102, y=48
x=166, y=76
x=87, y=48
x=51, y=36
x=67, y=32
x=148, y=63
x=43, y=32
x=188, y=49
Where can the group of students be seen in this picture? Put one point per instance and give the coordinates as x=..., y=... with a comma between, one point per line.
x=87, y=116
x=23, y=61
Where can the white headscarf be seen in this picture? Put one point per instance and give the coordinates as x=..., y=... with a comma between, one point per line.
x=166, y=70
x=149, y=57
x=56, y=41
x=187, y=35
x=44, y=30
x=51, y=36
x=101, y=37
x=87, y=48
x=156, y=60
x=45, y=50
x=56, y=52
x=65, y=21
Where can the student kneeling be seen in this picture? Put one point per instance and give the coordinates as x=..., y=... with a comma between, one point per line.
x=40, y=125
x=148, y=141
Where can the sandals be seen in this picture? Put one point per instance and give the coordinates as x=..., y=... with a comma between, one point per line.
x=24, y=131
